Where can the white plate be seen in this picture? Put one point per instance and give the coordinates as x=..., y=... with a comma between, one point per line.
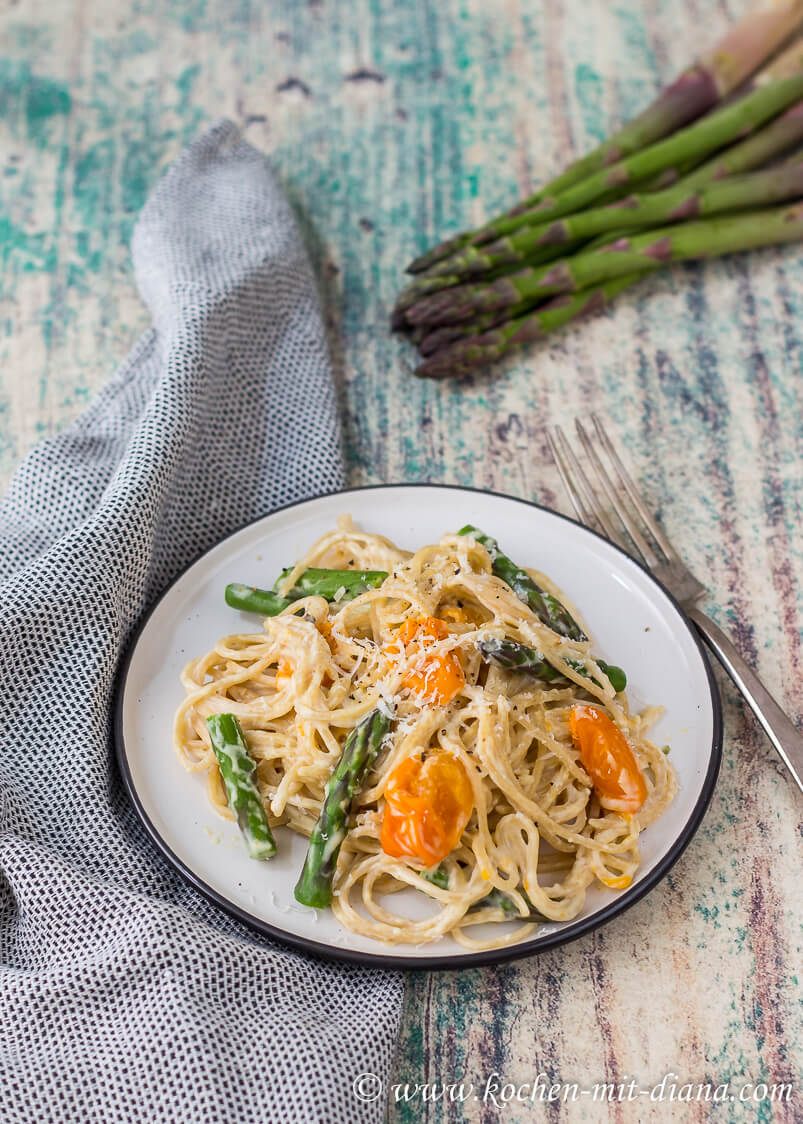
x=634, y=623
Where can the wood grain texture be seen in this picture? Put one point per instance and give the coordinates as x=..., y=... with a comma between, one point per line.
x=393, y=124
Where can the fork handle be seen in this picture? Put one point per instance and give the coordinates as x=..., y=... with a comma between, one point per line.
x=784, y=736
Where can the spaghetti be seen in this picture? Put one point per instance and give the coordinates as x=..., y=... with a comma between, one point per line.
x=497, y=795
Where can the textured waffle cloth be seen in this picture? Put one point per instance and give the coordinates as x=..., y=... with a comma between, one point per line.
x=124, y=995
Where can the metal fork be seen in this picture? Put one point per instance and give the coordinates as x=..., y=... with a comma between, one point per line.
x=659, y=556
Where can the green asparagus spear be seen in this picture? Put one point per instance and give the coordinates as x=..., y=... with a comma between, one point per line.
x=414, y=292
x=754, y=151
x=438, y=877
x=496, y=899
x=249, y=599
x=446, y=334
x=745, y=47
x=348, y=584
x=758, y=149
x=334, y=585
x=548, y=318
x=441, y=278
x=636, y=211
x=513, y=656
x=641, y=253
x=560, y=309
x=546, y=607
x=238, y=772
x=314, y=887
x=473, y=350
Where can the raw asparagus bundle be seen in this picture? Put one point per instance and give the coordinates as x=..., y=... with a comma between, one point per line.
x=754, y=152
x=651, y=194
x=697, y=141
x=595, y=277
x=746, y=46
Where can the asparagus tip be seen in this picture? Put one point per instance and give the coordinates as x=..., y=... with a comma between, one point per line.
x=436, y=366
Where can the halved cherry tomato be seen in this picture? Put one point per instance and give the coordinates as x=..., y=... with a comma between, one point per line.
x=427, y=806
x=422, y=627
x=440, y=677
x=608, y=759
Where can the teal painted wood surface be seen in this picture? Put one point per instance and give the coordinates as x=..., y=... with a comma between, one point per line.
x=391, y=124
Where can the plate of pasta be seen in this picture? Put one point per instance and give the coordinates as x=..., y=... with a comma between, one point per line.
x=419, y=726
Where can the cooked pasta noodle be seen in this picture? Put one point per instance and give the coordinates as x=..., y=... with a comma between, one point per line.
x=538, y=831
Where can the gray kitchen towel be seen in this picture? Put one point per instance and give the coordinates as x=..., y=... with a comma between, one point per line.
x=124, y=995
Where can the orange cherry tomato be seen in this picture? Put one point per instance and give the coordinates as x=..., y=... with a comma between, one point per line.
x=325, y=629
x=284, y=673
x=608, y=759
x=427, y=806
x=438, y=678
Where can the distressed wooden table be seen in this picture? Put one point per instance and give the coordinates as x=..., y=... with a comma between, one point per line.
x=389, y=123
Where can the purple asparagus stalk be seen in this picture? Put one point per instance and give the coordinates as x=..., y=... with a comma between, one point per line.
x=484, y=348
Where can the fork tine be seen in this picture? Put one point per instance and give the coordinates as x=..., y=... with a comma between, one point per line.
x=584, y=499
x=616, y=502
x=635, y=497
x=559, y=455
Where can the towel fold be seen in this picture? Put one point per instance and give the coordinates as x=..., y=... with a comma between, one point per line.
x=125, y=995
